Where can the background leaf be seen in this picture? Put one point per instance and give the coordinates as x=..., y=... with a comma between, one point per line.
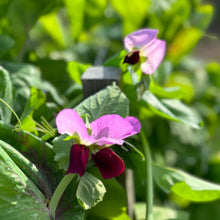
x=185, y=185
x=159, y=213
x=5, y=44
x=172, y=109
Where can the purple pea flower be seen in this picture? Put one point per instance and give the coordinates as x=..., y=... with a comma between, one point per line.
x=105, y=131
x=145, y=49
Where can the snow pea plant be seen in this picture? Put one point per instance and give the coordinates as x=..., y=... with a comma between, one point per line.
x=76, y=169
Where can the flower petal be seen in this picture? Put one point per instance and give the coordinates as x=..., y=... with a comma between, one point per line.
x=112, y=128
x=154, y=53
x=108, y=163
x=135, y=124
x=79, y=156
x=68, y=122
x=140, y=38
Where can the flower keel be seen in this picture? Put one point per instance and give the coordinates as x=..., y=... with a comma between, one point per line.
x=108, y=163
x=79, y=156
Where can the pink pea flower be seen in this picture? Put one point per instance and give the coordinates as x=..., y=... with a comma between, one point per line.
x=144, y=48
x=105, y=131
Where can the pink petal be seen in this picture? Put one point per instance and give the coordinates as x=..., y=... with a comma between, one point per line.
x=68, y=122
x=108, y=163
x=154, y=53
x=135, y=124
x=79, y=156
x=112, y=129
x=140, y=38
x=108, y=141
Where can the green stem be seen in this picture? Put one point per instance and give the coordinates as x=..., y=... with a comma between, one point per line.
x=6, y=104
x=149, y=178
x=59, y=192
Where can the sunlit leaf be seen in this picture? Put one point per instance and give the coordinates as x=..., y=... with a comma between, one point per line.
x=53, y=26
x=75, y=10
x=185, y=185
x=128, y=10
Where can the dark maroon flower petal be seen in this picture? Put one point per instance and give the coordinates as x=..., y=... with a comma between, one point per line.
x=109, y=163
x=132, y=57
x=79, y=156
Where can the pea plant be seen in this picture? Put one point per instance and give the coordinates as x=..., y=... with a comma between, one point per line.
x=142, y=147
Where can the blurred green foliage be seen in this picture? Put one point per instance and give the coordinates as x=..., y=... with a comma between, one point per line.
x=45, y=46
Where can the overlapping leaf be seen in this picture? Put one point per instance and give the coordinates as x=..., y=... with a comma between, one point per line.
x=19, y=196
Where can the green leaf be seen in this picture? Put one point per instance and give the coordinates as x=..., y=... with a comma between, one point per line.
x=23, y=77
x=37, y=99
x=5, y=43
x=37, y=151
x=116, y=60
x=29, y=169
x=172, y=109
x=185, y=185
x=90, y=191
x=61, y=146
x=18, y=192
x=53, y=26
x=159, y=213
x=114, y=203
x=5, y=94
x=175, y=92
x=108, y=101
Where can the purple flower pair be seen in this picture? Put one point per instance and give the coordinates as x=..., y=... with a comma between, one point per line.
x=145, y=49
x=103, y=132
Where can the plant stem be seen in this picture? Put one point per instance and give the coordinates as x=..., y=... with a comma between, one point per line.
x=149, y=178
x=6, y=104
x=59, y=192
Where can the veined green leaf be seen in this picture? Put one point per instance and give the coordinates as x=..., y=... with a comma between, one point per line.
x=114, y=202
x=19, y=196
x=110, y=100
x=90, y=191
x=27, y=167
